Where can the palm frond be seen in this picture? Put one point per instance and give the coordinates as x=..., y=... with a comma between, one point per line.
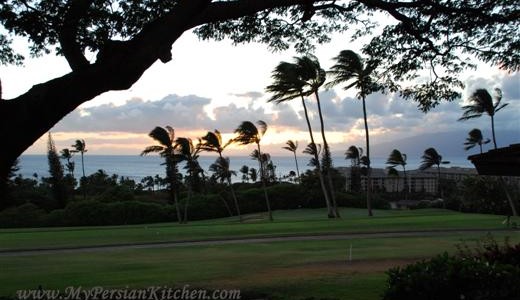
x=153, y=149
x=396, y=158
x=247, y=133
x=162, y=136
x=430, y=158
x=291, y=146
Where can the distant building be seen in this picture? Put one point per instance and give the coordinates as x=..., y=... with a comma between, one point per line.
x=418, y=181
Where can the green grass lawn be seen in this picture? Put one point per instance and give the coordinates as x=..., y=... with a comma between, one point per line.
x=287, y=269
x=286, y=223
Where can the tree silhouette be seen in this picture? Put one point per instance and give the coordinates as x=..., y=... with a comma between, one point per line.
x=67, y=155
x=432, y=158
x=167, y=150
x=56, y=179
x=287, y=85
x=190, y=154
x=313, y=77
x=475, y=138
x=357, y=73
x=293, y=146
x=212, y=142
x=248, y=133
x=245, y=173
x=396, y=158
x=80, y=147
x=482, y=102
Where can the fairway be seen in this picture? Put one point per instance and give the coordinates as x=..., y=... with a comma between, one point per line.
x=287, y=269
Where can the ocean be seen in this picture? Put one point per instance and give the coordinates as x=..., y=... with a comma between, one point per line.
x=136, y=167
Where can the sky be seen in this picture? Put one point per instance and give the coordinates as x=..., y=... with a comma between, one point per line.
x=215, y=85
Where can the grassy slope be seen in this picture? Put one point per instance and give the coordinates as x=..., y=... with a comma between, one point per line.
x=286, y=223
x=291, y=270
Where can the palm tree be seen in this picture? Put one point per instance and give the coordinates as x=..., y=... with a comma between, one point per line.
x=167, y=150
x=253, y=174
x=358, y=163
x=221, y=170
x=314, y=77
x=392, y=172
x=80, y=147
x=482, y=102
x=245, y=173
x=350, y=68
x=212, y=142
x=287, y=86
x=67, y=155
x=432, y=158
x=397, y=158
x=190, y=154
x=313, y=150
x=475, y=138
x=293, y=146
x=248, y=133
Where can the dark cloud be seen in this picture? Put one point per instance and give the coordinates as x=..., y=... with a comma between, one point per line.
x=251, y=95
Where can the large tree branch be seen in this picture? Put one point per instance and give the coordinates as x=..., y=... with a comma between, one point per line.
x=73, y=53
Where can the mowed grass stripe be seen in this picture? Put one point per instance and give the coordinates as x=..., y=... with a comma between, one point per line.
x=287, y=223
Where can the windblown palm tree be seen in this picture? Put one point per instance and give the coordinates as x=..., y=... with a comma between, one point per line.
x=80, y=147
x=313, y=150
x=289, y=85
x=67, y=155
x=432, y=158
x=397, y=158
x=293, y=146
x=190, y=154
x=248, y=133
x=350, y=68
x=314, y=77
x=221, y=170
x=358, y=163
x=475, y=138
x=392, y=172
x=167, y=150
x=212, y=142
x=482, y=102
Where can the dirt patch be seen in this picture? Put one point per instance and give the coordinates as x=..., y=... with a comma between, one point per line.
x=315, y=270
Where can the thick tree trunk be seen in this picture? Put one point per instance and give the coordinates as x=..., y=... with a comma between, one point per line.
x=330, y=213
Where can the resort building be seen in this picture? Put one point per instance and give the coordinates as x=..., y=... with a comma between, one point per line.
x=418, y=181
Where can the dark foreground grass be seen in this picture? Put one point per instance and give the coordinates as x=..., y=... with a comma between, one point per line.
x=312, y=221
x=290, y=270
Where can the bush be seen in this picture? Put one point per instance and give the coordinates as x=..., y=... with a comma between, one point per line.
x=25, y=215
x=488, y=273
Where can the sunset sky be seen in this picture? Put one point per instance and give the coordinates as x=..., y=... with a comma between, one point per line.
x=212, y=85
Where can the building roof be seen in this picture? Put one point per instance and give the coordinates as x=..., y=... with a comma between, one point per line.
x=499, y=162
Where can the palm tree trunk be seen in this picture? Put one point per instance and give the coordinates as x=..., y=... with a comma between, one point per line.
x=233, y=194
x=173, y=191
x=369, y=170
x=480, y=145
x=262, y=178
x=297, y=169
x=83, y=169
x=320, y=175
x=185, y=220
x=493, y=131
x=326, y=168
x=439, y=181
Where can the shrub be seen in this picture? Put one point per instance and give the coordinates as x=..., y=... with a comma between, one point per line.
x=488, y=273
x=25, y=215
